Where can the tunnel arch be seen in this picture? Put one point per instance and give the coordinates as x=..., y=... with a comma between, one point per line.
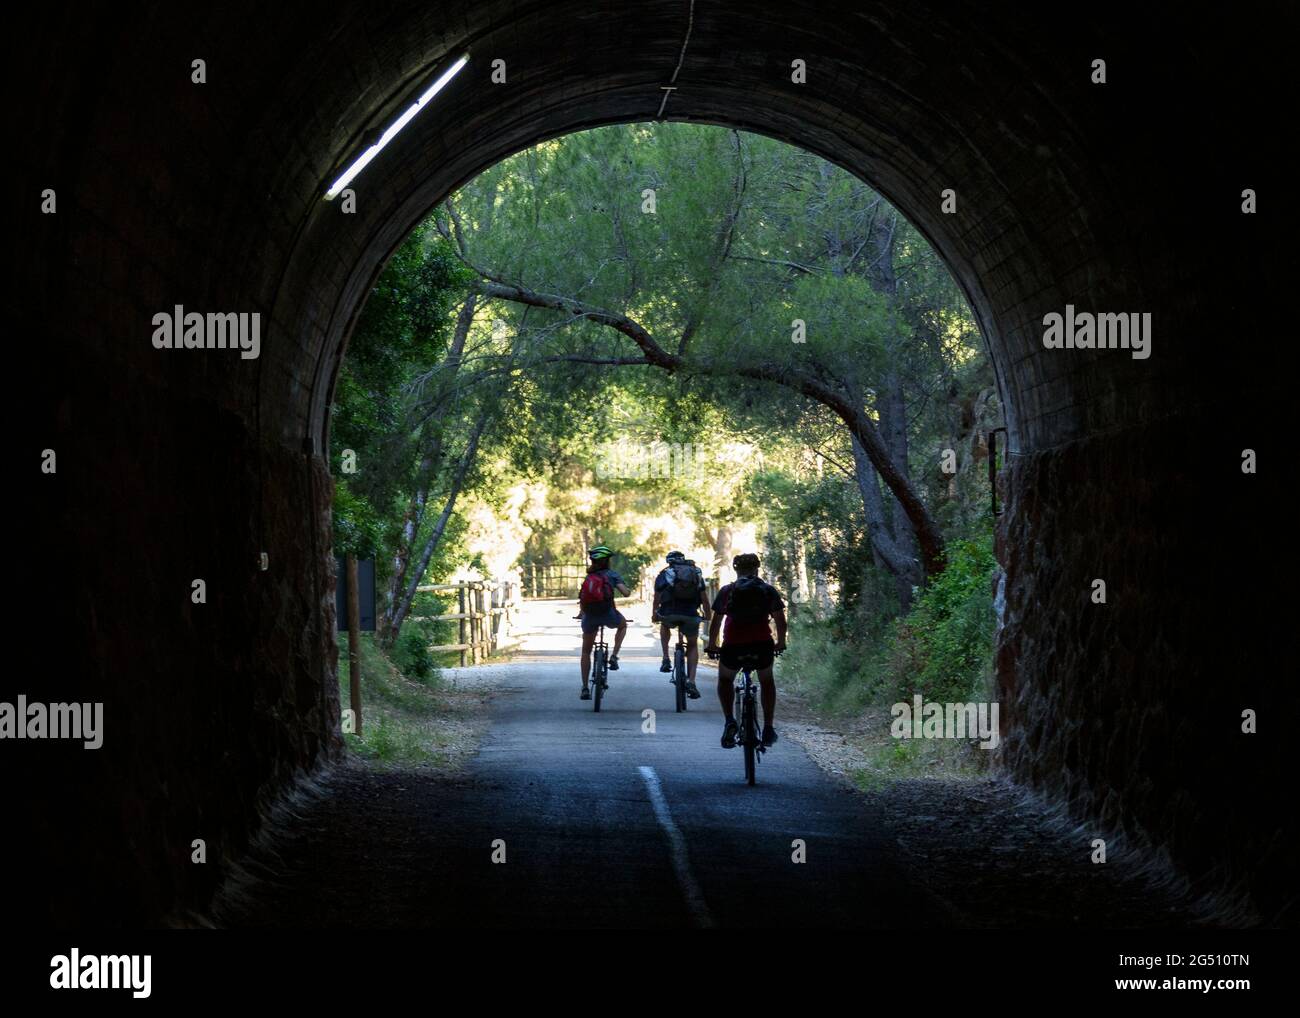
x=210, y=195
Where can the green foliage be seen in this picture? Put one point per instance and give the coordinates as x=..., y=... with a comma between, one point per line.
x=358, y=525
x=411, y=654
x=403, y=327
x=411, y=651
x=940, y=649
x=948, y=636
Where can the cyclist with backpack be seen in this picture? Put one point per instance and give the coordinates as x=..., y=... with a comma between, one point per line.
x=679, y=593
x=747, y=605
x=596, y=601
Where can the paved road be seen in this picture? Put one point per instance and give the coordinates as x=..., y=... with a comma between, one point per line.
x=603, y=824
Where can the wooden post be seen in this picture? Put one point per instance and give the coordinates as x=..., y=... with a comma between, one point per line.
x=472, y=598
x=482, y=621
x=460, y=597
x=499, y=617
x=354, y=642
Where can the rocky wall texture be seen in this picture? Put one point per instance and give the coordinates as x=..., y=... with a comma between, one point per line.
x=210, y=709
x=1130, y=712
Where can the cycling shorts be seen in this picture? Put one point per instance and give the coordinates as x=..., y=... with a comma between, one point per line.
x=757, y=655
x=690, y=624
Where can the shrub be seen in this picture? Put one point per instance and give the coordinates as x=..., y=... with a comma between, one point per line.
x=411, y=655
x=946, y=641
x=942, y=648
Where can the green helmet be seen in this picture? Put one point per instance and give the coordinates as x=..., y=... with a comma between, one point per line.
x=600, y=552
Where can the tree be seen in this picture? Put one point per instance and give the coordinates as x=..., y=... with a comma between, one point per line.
x=599, y=261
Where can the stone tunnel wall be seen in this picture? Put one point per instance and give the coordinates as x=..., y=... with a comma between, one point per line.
x=210, y=710
x=174, y=466
x=1130, y=712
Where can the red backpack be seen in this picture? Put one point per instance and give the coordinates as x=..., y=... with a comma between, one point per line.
x=596, y=590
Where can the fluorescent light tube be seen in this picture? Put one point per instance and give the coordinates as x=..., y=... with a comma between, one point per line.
x=364, y=159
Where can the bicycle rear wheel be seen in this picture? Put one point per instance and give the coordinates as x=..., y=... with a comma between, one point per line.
x=597, y=678
x=749, y=737
x=679, y=679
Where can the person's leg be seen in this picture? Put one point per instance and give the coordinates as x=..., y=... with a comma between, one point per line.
x=690, y=630
x=587, y=640
x=726, y=689
x=727, y=698
x=768, y=694
x=692, y=659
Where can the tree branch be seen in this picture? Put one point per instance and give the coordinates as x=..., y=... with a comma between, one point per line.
x=776, y=261
x=833, y=398
x=653, y=352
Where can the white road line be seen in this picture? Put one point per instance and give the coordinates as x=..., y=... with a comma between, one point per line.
x=677, y=843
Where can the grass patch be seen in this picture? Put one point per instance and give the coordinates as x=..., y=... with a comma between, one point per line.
x=848, y=670
x=889, y=760
x=406, y=722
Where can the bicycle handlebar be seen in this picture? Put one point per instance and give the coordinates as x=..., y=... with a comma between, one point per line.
x=713, y=655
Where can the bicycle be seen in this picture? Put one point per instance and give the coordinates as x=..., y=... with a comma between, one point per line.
x=679, y=670
x=599, y=669
x=750, y=736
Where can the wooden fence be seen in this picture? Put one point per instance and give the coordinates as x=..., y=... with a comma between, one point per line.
x=485, y=617
x=564, y=579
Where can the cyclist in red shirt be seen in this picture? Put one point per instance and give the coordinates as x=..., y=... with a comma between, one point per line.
x=747, y=605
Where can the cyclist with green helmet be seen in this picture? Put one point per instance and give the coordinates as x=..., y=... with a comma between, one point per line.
x=596, y=600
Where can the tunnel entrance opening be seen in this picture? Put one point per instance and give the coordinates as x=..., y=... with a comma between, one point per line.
x=514, y=327
x=1067, y=192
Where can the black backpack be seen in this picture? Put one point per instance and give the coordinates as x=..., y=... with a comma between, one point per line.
x=684, y=581
x=749, y=600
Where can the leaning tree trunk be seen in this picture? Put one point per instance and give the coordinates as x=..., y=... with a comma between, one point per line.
x=799, y=593
x=772, y=561
x=435, y=536
x=722, y=555
x=821, y=586
x=893, y=428
x=406, y=540
x=424, y=475
x=896, y=560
